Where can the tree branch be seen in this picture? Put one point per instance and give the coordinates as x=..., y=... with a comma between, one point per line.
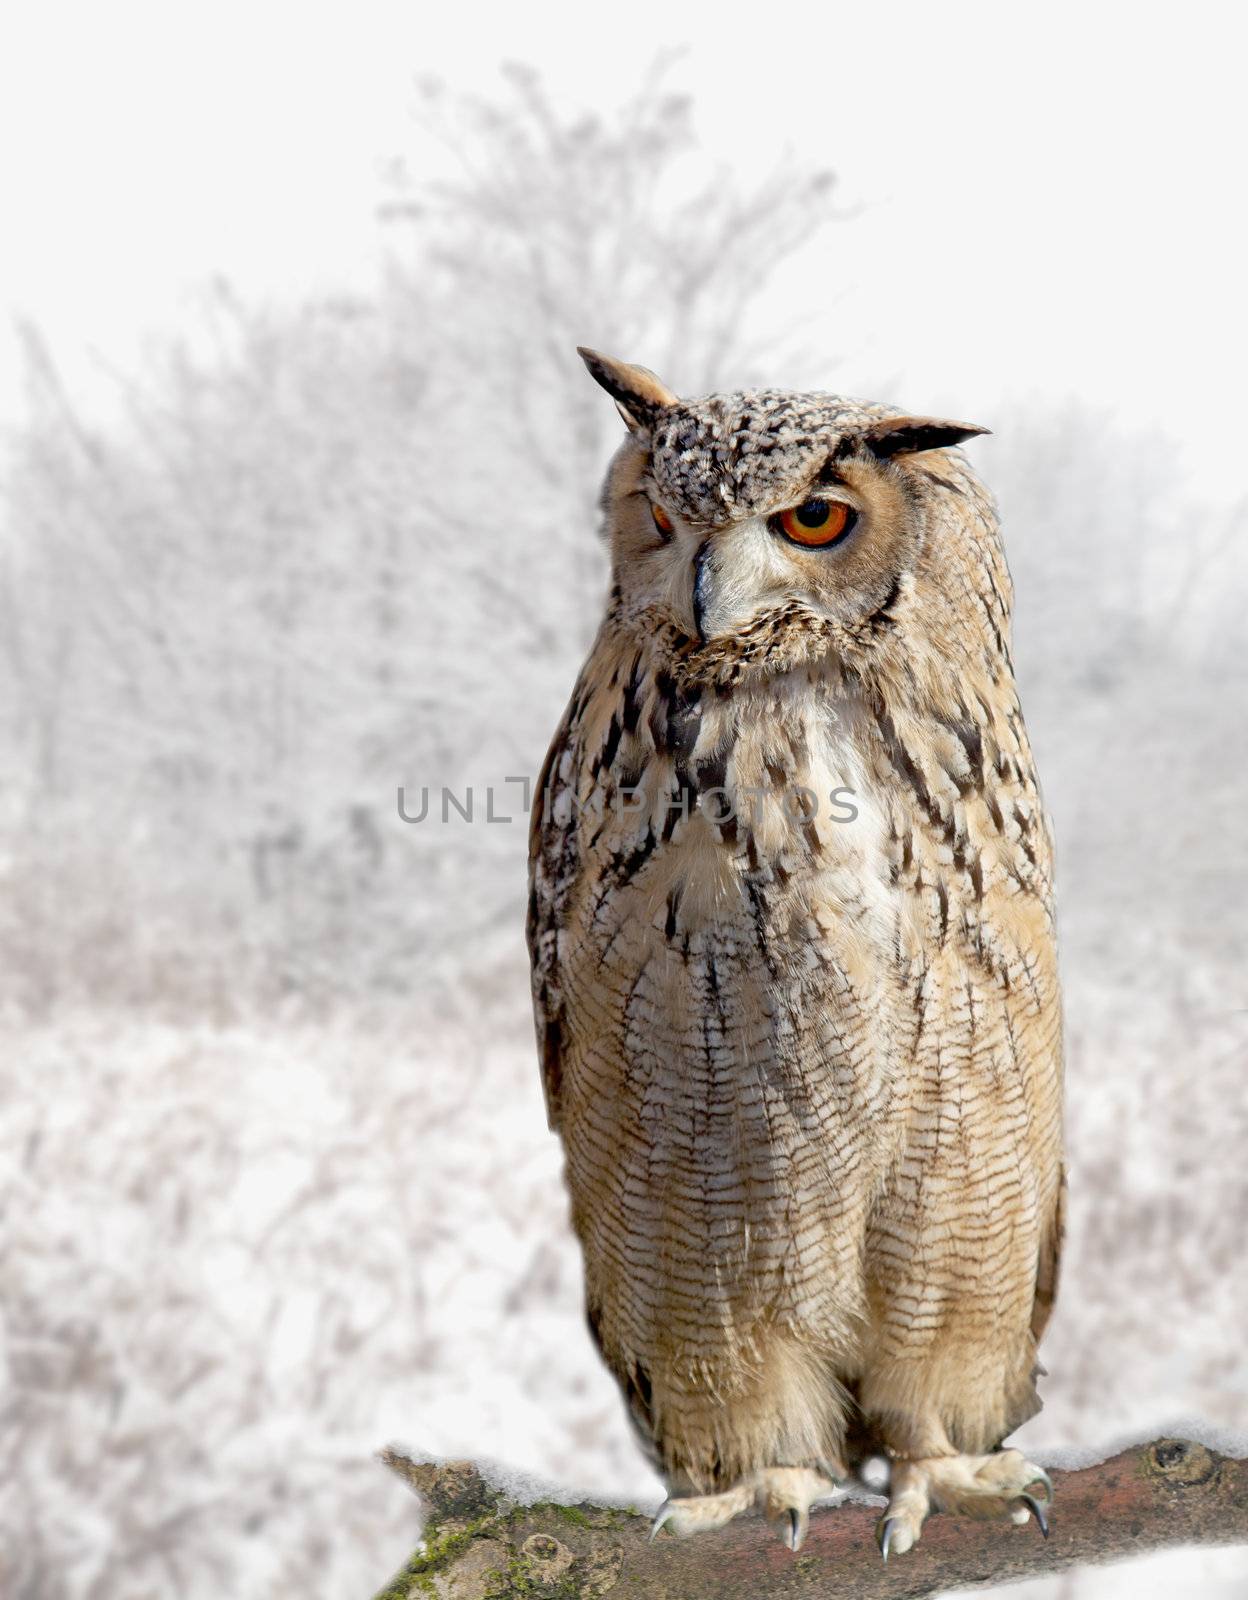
x=479, y=1545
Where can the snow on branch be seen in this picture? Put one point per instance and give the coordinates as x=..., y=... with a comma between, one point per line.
x=480, y=1543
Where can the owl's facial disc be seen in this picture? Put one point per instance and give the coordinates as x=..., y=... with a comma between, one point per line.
x=741, y=515
x=834, y=546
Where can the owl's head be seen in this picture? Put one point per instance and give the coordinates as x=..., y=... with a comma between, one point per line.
x=738, y=510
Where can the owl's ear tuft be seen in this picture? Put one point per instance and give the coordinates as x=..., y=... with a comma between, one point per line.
x=905, y=436
x=639, y=396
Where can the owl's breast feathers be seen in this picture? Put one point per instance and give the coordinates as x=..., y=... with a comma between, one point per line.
x=764, y=818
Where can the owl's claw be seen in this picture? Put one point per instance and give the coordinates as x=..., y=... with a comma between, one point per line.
x=786, y=1494
x=1037, y=1511
x=691, y=1514
x=1001, y=1484
x=782, y=1494
x=1040, y=1477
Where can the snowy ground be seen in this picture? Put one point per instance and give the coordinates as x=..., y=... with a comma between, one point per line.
x=239, y=1260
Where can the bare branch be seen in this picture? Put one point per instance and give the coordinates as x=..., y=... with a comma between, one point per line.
x=478, y=1545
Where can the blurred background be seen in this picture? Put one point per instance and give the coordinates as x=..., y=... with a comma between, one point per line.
x=298, y=507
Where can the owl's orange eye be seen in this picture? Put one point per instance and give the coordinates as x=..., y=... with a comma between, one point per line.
x=661, y=519
x=818, y=522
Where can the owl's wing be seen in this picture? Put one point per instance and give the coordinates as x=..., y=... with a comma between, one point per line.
x=554, y=863
x=1051, y=1242
x=1050, y=1264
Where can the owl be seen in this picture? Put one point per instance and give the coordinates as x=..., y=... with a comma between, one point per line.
x=791, y=926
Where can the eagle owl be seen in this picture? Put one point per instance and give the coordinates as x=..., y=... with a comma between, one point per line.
x=792, y=936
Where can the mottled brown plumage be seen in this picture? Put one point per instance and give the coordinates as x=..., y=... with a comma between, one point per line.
x=794, y=968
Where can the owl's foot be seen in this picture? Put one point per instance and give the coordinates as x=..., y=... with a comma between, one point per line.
x=1004, y=1484
x=783, y=1494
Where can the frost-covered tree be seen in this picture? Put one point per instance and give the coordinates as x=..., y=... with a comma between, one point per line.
x=342, y=547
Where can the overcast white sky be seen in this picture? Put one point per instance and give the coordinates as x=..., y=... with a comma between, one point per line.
x=1052, y=198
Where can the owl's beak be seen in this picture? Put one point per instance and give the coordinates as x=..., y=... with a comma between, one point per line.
x=702, y=574
x=731, y=570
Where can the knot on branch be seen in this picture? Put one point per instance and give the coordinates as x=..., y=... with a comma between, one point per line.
x=478, y=1545
x=1182, y=1462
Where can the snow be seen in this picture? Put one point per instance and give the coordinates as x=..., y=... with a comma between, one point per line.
x=242, y=1258
x=275, y=1174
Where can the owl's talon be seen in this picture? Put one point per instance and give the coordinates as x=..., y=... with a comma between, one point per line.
x=884, y=1535
x=1037, y=1511
x=783, y=1494
x=687, y=1515
x=1041, y=1478
x=999, y=1484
